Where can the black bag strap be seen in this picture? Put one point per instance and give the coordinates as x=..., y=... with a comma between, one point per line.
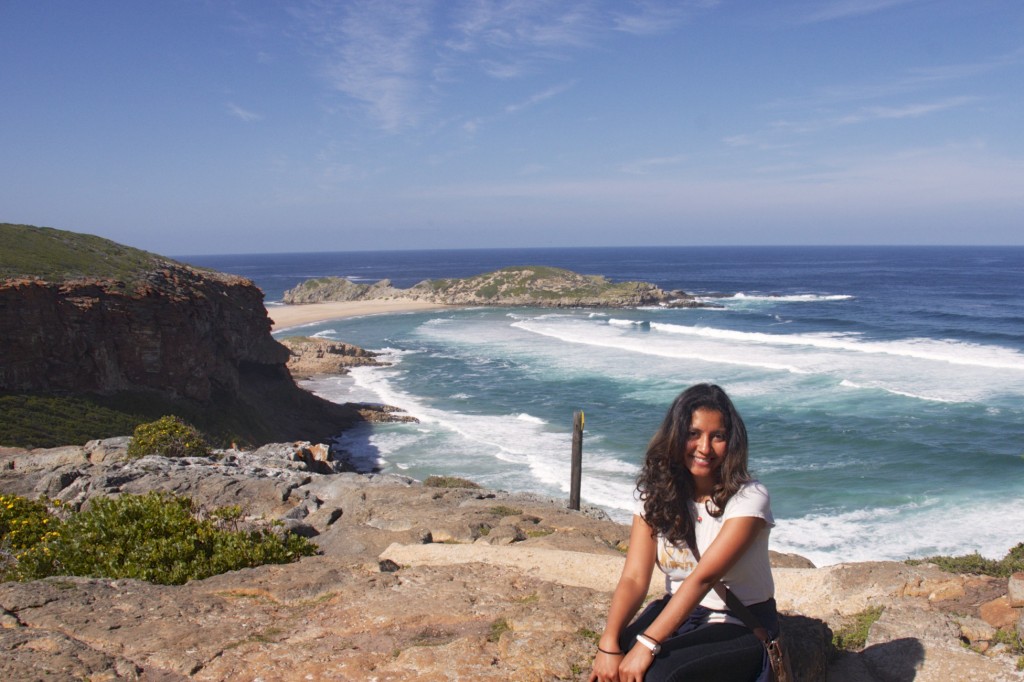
x=731, y=600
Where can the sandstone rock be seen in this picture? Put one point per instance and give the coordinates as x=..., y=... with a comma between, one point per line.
x=917, y=643
x=974, y=630
x=310, y=357
x=48, y=458
x=503, y=534
x=107, y=449
x=53, y=655
x=938, y=589
x=1015, y=590
x=998, y=613
x=782, y=560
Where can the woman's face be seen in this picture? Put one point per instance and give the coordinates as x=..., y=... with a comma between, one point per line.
x=706, y=444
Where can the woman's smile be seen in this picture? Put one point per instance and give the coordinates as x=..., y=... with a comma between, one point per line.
x=706, y=443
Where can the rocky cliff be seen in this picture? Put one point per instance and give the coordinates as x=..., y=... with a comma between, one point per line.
x=188, y=333
x=84, y=316
x=514, y=286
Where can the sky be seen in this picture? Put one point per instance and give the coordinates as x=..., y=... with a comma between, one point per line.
x=213, y=126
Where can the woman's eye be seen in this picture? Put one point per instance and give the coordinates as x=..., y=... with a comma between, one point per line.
x=719, y=436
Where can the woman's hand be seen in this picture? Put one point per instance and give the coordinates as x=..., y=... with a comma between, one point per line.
x=606, y=668
x=635, y=664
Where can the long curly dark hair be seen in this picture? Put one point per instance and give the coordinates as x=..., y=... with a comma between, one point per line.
x=664, y=483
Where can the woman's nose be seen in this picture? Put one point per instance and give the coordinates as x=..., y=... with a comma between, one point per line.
x=704, y=443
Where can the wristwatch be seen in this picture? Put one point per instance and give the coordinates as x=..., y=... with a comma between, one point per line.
x=650, y=643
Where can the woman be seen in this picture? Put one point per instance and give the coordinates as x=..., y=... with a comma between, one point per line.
x=694, y=483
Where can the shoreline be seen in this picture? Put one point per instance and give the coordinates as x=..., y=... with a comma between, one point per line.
x=291, y=315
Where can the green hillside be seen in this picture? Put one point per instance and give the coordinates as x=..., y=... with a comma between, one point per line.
x=58, y=255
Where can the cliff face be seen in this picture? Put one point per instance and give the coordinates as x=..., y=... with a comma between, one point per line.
x=187, y=333
x=141, y=336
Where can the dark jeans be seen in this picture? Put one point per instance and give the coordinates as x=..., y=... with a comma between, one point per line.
x=719, y=652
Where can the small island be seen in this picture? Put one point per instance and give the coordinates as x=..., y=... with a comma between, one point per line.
x=520, y=286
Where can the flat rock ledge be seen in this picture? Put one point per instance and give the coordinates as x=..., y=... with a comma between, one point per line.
x=423, y=583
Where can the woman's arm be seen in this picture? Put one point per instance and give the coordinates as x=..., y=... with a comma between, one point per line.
x=736, y=536
x=629, y=595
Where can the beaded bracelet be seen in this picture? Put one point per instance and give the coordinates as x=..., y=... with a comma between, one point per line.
x=611, y=653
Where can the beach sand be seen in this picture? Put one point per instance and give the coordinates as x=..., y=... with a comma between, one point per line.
x=285, y=316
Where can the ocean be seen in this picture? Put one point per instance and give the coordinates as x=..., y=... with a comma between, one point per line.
x=882, y=387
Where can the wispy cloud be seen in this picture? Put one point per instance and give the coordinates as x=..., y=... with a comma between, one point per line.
x=867, y=114
x=538, y=98
x=538, y=24
x=905, y=111
x=650, y=17
x=401, y=58
x=371, y=51
x=243, y=114
x=905, y=83
x=845, y=9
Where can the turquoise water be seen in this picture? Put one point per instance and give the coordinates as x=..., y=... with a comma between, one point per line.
x=882, y=387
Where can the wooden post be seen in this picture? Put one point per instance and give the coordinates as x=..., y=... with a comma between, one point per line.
x=577, y=460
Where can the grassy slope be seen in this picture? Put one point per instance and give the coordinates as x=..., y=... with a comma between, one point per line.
x=46, y=420
x=58, y=255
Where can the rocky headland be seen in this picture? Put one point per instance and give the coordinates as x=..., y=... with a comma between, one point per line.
x=87, y=323
x=540, y=286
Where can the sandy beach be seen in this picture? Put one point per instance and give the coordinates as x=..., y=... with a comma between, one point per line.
x=285, y=316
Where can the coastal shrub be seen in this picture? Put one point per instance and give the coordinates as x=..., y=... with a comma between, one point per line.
x=504, y=510
x=168, y=436
x=1012, y=563
x=855, y=634
x=157, y=537
x=24, y=524
x=448, y=482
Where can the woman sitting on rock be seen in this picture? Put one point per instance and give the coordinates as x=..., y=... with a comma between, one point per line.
x=694, y=488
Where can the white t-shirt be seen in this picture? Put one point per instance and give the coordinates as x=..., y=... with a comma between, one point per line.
x=750, y=578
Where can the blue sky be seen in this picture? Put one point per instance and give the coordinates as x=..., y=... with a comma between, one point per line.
x=207, y=126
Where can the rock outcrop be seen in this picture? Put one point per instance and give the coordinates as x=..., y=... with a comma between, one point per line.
x=309, y=357
x=422, y=583
x=514, y=286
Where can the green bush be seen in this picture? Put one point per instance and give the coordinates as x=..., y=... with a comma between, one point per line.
x=24, y=523
x=854, y=636
x=168, y=436
x=157, y=537
x=1012, y=563
x=505, y=510
x=448, y=482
